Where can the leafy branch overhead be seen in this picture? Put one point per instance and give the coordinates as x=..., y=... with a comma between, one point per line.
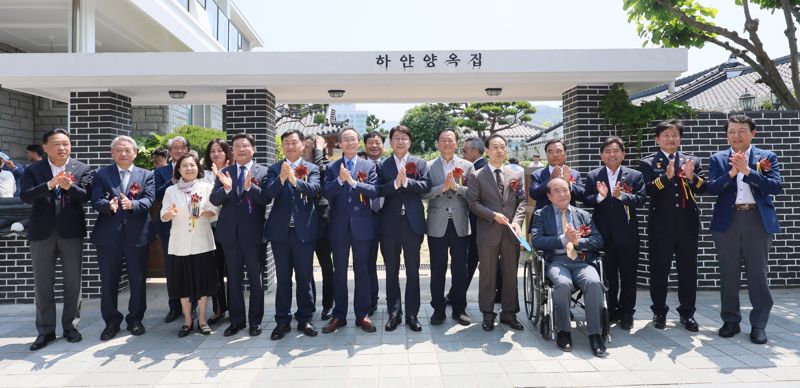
x=491, y=117
x=687, y=23
x=617, y=109
x=297, y=112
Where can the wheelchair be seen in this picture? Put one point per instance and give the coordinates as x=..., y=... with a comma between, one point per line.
x=538, y=290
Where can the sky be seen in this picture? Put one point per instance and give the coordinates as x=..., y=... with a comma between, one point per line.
x=373, y=25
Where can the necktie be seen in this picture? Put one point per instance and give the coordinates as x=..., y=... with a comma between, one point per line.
x=240, y=180
x=349, y=165
x=498, y=174
x=123, y=180
x=571, y=253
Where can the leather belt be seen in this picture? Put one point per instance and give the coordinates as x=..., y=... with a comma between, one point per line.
x=745, y=206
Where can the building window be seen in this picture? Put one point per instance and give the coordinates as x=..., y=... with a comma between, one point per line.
x=233, y=34
x=184, y=4
x=201, y=3
x=212, y=10
x=222, y=34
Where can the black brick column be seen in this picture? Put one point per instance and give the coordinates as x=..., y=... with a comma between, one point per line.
x=252, y=111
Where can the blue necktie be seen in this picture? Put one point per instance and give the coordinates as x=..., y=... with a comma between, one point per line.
x=350, y=166
x=240, y=180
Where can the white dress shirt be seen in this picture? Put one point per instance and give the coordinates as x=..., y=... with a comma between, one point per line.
x=744, y=195
x=612, y=181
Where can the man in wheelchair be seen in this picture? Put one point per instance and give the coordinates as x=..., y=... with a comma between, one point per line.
x=570, y=244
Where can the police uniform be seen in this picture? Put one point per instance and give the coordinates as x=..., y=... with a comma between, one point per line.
x=673, y=227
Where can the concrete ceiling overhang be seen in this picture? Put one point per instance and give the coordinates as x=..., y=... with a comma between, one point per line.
x=305, y=77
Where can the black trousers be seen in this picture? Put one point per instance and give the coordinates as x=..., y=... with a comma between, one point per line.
x=409, y=243
x=250, y=258
x=619, y=267
x=683, y=246
x=110, y=259
x=457, y=247
x=220, y=300
x=323, y=252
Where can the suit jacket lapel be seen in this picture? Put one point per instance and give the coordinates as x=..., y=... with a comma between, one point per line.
x=507, y=177
x=753, y=158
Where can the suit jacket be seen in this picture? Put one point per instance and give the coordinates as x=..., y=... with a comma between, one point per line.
x=107, y=228
x=409, y=197
x=241, y=219
x=538, y=188
x=292, y=202
x=484, y=200
x=349, y=206
x=762, y=184
x=439, y=203
x=70, y=222
x=186, y=239
x=673, y=202
x=546, y=237
x=163, y=178
x=616, y=218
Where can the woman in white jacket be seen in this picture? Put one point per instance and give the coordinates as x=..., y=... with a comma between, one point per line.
x=191, y=242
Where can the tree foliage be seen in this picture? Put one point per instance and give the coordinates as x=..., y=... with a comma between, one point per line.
x=198, y=138
x=425, y=121
x=296, y=112
x=617, y=109
x=374, y=123
x=488, y=118
x=687, y=23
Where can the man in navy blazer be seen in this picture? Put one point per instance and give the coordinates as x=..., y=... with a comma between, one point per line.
x=373, y=145
x=292, y=229
x=744, y=178
x=164, y=177
x=556, y=156
x=57, y=187
x=615, y=191
x=240, y=229
x=403, y=179
x=122, y=194
x=349, y=187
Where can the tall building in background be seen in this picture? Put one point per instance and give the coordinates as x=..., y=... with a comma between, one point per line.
x=358, y=118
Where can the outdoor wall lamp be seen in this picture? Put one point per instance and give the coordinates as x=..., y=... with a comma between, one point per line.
x=177, y=94
x=336, y=93
x=494, y=91
x=747, y=100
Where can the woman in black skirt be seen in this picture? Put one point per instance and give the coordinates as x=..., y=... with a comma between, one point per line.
x=191, y=242
x=218, y=156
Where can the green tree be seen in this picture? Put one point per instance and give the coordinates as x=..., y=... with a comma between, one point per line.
x=296, y=112
x=198, y=138
x=374, y=123
x=425, y=121
x=487, y=118
x=687, y=23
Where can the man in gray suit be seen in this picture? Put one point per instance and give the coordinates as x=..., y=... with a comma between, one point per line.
x=570, y=243
x=448, y=227
x=496, y=195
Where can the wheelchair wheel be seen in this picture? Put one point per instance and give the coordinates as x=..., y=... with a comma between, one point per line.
x=544, y=327
x=532, y=293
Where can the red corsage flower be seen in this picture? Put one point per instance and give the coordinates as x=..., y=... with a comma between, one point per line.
x=763, y=165
x=625, y=188
x=134, y=190
x=254, y=181
x=301, y=171
x=584, y=230
x=196, y=198
x=514, y=184
x=458, y=173
x=411, y=168
x=361, y=176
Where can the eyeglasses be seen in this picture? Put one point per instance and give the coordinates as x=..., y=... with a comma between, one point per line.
x=401, y=139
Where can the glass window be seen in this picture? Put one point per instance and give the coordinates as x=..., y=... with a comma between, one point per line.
x=233, y=44
x=201, y=3
x=212, y=11
x=184, y=4
x=222, y=34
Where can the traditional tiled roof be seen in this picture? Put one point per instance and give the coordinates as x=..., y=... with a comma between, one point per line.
x=545, y=131
x=308, y=126
x=521, y=131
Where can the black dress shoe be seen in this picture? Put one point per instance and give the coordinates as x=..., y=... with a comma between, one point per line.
x=462, y=318
x=42, y=340
x=232, y=330
x=488, y=324
x=660, y=321
x=627, y=322
x=279, y=331
x=758, y=336
x=255, y=330
x=564, y=341
x=729, y=329
x=307, y=329
x=413, y=323
x=513, y=323
x=136, y=328
x=109, y=332
x=326, y=314
x=597, y=345
x=171, y=316
x=185, y=330
x=392, y=323
x=72, y=335
x=214, y=319
x=689, y=323
x=438, y=317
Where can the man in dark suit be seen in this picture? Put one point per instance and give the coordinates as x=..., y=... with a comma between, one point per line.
x=292, y=229
x=473, y=151
x=673, y=180
x=373, y=144
x=314, y=152
x=349, y=187
x=122, y=194
x=556, y=157
x=402, y=181
x=496, y=195
x=57, y=187
x=240, y=229
x=615, y=191
x=570, y=243
x=165, y=177
x=744, y=178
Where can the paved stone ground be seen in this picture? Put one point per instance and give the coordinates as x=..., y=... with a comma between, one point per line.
x=443, y=356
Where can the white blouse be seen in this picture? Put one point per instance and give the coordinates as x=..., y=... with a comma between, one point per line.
x=186, y=239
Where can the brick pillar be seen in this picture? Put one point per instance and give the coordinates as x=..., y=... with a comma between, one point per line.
x=584, y=128
x=95, y=119
x=252, y=111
